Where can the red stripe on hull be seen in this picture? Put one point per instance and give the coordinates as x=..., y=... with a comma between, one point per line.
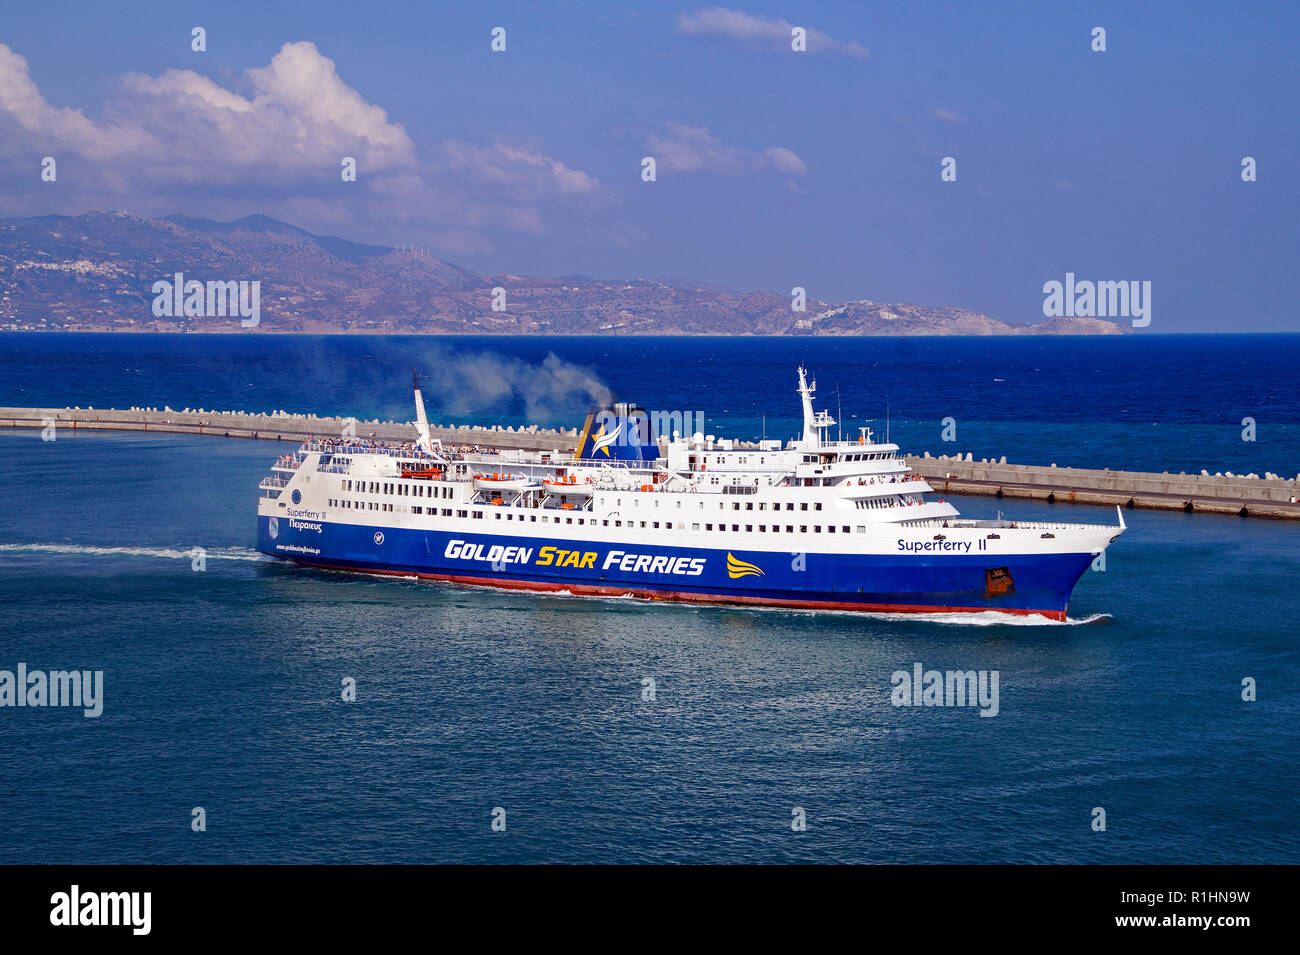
x=589, y=590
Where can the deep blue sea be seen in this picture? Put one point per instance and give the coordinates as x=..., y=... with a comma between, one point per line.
x=222, y=685
x=1172, y=402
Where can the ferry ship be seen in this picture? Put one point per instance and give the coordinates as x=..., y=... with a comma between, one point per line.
x=815, y=523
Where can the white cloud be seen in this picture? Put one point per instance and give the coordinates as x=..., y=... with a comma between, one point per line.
x=683, y=148
x=762, y=31
x=276, y=149
x=49, y=128
x=948, y=116
x=784, y=160
x=518, y=167
x=183, y=127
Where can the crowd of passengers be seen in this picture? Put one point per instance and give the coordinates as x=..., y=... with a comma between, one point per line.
x=374, y=446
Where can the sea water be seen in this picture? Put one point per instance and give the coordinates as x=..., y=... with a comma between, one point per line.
x=225, y=671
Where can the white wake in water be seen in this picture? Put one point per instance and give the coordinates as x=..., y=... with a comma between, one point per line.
x=219, y=553
x=570, y=593
x=987, y=618
x=983, y=618
x=991, y=618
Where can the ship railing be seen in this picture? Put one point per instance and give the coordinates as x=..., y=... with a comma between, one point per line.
x=289, y=462
x=269, y=483
x=842, y=445
x=1005, y=523
x=1050, y=525
x=874, y=482
x=748, y=469
x=613, y=465
x=517, y=499
x=317, y=446
x=521, y=456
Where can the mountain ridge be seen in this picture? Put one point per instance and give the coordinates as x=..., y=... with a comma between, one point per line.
x=95, y=272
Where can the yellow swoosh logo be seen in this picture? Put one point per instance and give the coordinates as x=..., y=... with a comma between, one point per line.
x=737, y=568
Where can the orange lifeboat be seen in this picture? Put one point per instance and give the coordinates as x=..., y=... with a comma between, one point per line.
x=433, y=474
x=567, y=485
x=500, y=482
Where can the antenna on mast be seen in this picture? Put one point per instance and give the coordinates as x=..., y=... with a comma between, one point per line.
x=886, y=421
x=839, y=414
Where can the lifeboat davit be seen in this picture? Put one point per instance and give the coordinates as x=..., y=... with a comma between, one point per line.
x=569, y=485
x=500, y=482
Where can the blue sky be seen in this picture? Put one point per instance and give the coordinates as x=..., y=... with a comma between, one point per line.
x=818, y=169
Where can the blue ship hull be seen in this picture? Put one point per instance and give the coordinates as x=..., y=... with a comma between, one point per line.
x=901, y=583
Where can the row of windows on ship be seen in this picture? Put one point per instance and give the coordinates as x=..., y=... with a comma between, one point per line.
x=807, y=458
x=445, y=491
x=608, y=522
x=401, y=490
x=870, y=456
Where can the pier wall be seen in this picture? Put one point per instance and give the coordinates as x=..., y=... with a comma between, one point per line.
x=1268, y=496
x=280, y=425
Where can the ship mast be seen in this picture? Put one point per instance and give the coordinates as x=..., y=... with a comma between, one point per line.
x=815, y=426
x=425, y=442
x=809, y=419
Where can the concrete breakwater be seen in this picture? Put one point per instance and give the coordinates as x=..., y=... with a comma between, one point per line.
x=1249, y=495
x=281, y=426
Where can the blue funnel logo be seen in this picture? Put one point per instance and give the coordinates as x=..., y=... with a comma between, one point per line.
x=618, y=434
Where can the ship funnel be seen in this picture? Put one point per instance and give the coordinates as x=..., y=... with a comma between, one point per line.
x=620, y=433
